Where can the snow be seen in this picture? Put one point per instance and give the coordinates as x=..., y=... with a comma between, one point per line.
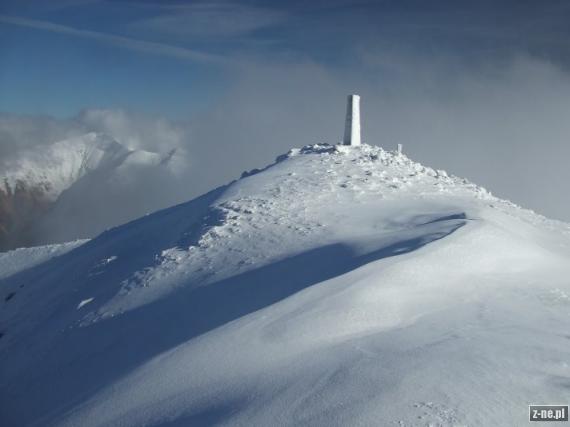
x=84, y=302
x=339, y=286
x=24, y=258
x=55, y=167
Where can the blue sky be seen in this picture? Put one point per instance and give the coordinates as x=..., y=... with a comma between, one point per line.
x=57, y=73
x=178, y=57
x=479, y=88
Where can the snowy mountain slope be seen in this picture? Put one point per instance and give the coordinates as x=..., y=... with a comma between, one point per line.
x=32, y=182
x=339, y=286
x=13, y=262
x=55, y=167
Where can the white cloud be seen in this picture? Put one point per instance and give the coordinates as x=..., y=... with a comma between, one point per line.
x=103, y=198
x=502, y=125
x=138, y=132
x=212, y=19
x=119, y=41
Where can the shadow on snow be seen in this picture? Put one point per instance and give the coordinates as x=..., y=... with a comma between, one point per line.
x=78, y=362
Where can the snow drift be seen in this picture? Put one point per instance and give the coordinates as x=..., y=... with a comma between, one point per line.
x=338, y=286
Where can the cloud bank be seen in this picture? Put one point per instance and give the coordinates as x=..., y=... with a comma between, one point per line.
x=503, y=125
x=124, y=42
x=102, y=198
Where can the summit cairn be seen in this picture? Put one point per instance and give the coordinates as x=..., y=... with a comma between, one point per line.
x=352, y=125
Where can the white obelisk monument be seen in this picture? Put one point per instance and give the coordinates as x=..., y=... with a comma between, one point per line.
x=352, y=125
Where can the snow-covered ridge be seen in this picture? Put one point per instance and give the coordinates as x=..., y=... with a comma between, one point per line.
x=53, y=168
x=337, y=286
x=14, y=261
x=311, y=197
x=392, y=172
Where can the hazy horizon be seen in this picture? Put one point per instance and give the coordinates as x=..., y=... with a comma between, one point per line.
x=478, y=89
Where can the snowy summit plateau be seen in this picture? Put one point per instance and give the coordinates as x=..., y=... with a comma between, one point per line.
x=341, y=285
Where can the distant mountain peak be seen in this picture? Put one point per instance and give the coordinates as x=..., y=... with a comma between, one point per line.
x=33, y=180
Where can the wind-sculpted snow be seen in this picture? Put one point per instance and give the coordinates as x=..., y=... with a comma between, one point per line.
x=17, y=260
x=338, y=286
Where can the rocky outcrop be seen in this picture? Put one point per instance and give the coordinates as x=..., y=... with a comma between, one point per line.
x=20, y=208
x=56, y=191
